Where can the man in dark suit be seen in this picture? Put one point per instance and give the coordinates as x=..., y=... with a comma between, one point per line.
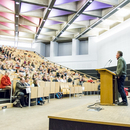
x=121, y=75
x=20, y=91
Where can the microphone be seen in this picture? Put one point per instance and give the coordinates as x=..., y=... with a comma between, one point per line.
x=109, y=61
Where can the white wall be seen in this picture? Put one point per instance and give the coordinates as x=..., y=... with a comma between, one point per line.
x=83, y=48
x=65, y=49
x=88, y=61
x=39, y=48
x=118, y=38
x=47, y=50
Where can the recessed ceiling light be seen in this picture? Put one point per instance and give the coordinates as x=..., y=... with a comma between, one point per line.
x=49, y=9
x=17, y=3
x=90, y=1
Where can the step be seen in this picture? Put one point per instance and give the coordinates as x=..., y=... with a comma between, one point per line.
x=4, y=100
x=6, y=105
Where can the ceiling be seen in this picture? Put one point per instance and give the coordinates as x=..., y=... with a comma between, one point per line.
x=59, y=20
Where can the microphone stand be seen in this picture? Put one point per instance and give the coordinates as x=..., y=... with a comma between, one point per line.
x=107, y=63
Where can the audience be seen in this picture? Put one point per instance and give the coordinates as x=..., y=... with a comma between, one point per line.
x=29, y=65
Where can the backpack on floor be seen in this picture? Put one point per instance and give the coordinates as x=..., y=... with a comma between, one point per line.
x=17, y=103
x=59, y=95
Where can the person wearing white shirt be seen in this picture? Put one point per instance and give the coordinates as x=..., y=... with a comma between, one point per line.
x=63, y=80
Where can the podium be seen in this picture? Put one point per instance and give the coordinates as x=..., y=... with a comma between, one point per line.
x=108, y=88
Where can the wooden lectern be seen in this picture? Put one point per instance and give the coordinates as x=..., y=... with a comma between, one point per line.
x=108, y=87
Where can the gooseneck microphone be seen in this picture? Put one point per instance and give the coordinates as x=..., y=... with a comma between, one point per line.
x=109, y=61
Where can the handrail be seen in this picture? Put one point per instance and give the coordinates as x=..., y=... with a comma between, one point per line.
x=65, y=66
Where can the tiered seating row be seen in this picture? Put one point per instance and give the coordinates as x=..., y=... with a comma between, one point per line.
x=47, y=88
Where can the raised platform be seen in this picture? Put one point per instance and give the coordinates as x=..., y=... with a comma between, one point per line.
x=81, y=118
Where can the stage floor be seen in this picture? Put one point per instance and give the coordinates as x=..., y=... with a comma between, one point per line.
x=110, y=115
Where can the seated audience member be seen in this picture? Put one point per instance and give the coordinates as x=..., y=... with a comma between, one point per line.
x=59, y=79
x=62, y=75
x=81, y=81
x=40, y=100
x=44, y=77
x=34, y=76
x=33, y=65
x=3, y=67
x=17, y=65
x=20, y=91
x=90, y=80
x=40, y=69
x=21, y=70
x=27, y=81
x=39, y=77
x=58, y=74
x=5, y=56
x=20, y=75
x=28, y=90
x=13, y=68
x=48, y=79
x=63, y=80
x=17, y=71
x=5, y=82
x=69, y=79
x=31, y=68
x=55, y=79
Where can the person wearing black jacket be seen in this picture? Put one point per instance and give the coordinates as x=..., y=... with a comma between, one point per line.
x=69, y=79
x=20, y=91
x=55, y=80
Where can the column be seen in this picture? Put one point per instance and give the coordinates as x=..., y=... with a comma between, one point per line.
x=75, y=47
x=53, y=49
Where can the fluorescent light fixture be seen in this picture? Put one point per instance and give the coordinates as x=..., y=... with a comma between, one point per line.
x=17, y=16
x=25, y=38
x=6, y=36
x=17, y=3
x=16, y=38
x=90, y=1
